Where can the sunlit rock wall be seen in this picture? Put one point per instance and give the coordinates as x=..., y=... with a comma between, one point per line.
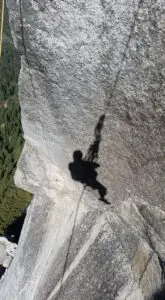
x=80, y=60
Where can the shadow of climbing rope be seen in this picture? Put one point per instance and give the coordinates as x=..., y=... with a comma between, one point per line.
x=84, y=169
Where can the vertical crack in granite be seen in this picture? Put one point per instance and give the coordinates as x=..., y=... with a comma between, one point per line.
x=140, y=2
x=79, y=57
x=30, y=74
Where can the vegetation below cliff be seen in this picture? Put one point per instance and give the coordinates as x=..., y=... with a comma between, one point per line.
x=13, y=201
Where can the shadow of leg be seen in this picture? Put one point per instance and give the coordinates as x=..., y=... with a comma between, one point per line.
x=102, y=191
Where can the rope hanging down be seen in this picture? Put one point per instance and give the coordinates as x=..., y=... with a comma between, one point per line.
x=92, y=153
x=2, y=25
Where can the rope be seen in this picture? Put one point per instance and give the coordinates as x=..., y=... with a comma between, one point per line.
x=106, y=106
x=70, y=242
x=33, y=90
x=2, y=25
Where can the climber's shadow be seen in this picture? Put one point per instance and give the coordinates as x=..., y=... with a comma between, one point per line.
x=84, y=169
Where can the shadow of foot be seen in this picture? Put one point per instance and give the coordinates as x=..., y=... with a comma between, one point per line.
x=105, y=201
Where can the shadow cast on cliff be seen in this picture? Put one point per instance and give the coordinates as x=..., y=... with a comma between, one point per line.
x=83, y=169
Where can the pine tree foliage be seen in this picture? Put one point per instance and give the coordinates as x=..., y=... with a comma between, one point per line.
x=13, y=201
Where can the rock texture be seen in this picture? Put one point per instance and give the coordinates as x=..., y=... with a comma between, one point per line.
x=7, y=252
x=81, y=59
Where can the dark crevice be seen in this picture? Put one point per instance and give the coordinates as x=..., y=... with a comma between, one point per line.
x=14, y=229
x=162, y=266
x=2, y=271
x=159, y=295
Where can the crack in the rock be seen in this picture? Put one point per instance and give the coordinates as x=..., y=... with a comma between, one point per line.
x=31, y=79
x=162, y=266
x=107, y=103
x=146, y=266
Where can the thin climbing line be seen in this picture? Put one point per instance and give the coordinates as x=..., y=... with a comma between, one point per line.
x=70, y=241
x=77, y=207
x=2, y=26
x=107, y=104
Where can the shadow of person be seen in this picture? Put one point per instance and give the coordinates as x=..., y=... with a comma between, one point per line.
x=84, y=171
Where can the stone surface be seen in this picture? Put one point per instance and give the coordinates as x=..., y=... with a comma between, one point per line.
x=7, y=252
x=81, y=59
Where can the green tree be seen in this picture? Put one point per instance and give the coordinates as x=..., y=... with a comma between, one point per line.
x=13, y=201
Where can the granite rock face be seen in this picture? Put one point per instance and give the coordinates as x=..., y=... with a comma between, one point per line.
x=7, y=252
x=81, y=60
